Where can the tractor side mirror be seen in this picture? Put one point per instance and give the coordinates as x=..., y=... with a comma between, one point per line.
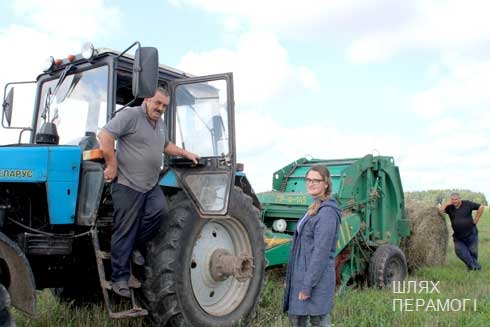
x=145, y=72
x=8, y=104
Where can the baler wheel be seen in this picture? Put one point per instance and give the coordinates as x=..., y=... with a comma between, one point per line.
x=387, y=264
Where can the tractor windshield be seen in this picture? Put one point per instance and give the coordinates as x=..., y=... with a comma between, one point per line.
x=202, y=119
x=79, y=105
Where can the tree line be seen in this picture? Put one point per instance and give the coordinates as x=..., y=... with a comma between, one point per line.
x=437, y=197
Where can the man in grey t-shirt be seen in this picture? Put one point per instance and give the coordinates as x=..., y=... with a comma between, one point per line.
x=139, y=203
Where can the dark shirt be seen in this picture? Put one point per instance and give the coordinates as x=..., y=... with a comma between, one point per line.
x=461, y=218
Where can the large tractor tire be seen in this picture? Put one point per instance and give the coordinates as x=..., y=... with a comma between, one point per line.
x=387, y=264
x=181, y=286
x=6, y=318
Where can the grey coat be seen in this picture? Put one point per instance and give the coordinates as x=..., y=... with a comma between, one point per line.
x=311, y=266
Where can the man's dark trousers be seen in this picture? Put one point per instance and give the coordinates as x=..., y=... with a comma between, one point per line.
x=467, y=249
x=137, y=217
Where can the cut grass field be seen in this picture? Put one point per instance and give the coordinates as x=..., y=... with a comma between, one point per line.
x=357, y=307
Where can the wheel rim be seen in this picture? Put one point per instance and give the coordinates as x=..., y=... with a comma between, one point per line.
x=218, y=298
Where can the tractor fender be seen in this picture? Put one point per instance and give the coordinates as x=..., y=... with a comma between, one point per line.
x=16, y=275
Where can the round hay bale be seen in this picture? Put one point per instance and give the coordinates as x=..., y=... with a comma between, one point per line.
x=428, y=241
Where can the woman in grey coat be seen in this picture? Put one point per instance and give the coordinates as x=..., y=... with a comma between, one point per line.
x=310, y=278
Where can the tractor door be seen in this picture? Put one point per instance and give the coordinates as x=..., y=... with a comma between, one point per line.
x=201, y=120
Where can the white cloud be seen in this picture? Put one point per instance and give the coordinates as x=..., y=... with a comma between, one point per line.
x=308, y=78
x=461, y=89
x=49, y=28
x=483, y=121
x=232, y=24
x=452, y=22
x=427, y=104
x=449, y=25
x=441, y=127
x=446, y=163
x=455, y=110
x=87, y=20
x=375, y=29
x=309, y=18
x=261, y=68
x=372, y=49
x=28, y=49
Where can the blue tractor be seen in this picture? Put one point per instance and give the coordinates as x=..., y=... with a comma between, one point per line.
x=206, y=265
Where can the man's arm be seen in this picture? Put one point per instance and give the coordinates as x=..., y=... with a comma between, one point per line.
x=106, y=141
x=173, y=150
x=442, y=209
x=479, y=213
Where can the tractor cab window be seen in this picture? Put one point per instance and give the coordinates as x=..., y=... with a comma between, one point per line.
x=124, y=90
x=78, y=106
x=202, y=119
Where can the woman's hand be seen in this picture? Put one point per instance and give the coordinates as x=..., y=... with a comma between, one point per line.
x=303, y=297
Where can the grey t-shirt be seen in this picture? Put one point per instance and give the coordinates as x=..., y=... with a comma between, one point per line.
x=139, y=150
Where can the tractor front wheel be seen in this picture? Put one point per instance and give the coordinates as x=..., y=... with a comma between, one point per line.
x=205, y=272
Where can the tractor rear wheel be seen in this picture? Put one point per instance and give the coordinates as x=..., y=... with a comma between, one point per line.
x=387, y=264
x=205, y=272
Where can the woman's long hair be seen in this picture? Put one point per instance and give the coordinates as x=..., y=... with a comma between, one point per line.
x=325, y=173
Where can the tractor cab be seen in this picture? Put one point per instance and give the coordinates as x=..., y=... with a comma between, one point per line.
x=77, y=95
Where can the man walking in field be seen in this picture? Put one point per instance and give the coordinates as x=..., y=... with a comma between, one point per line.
x=465, y=235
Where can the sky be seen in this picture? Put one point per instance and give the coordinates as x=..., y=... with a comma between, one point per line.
x=326, y=79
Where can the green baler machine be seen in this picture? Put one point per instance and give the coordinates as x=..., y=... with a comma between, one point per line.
x=370, y=194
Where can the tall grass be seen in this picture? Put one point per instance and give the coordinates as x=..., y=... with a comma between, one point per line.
x=356, y=307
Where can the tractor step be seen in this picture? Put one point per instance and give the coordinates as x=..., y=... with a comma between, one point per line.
x=103, y=255
x=106, y=286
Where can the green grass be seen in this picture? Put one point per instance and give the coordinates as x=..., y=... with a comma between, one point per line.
x=366, y=307
x=373, y=307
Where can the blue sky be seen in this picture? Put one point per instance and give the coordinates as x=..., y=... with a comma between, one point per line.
x=330, y=79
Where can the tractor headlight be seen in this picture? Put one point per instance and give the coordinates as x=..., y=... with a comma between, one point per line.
x=210, y=190
x=88, y=50
x=279, y=225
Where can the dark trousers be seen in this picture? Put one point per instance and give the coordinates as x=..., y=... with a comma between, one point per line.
x=467, y=249
x=315, y=321
x=137, y=217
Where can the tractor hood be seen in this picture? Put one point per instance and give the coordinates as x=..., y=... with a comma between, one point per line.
x=58, y=167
